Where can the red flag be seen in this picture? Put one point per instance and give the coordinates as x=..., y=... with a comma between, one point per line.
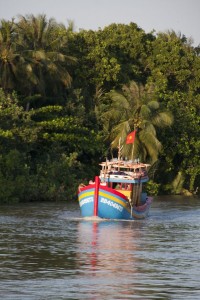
x=130, y=137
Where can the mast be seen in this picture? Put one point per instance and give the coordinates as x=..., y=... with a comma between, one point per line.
x=119, y=152
x=132, y=152
x=119, y=149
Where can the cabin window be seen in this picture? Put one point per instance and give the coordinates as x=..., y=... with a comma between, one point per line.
x=117, y=186
x=123, y=186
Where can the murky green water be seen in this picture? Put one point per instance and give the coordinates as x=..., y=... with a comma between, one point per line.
x=48, y=252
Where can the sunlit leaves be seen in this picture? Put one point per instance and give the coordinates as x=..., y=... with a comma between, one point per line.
x=134, y=108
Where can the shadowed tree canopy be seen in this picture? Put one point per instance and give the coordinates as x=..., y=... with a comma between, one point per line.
x=42, y=43
x=11, y=61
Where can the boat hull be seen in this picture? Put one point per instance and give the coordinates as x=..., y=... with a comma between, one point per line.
x=111, y=204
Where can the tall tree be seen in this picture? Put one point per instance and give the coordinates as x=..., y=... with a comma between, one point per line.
x=173, y=64
x=42, y=42
x=174, y=68
x=11, y=61
x=135, y=108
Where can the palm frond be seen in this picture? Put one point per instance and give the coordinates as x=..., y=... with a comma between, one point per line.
x=119, y=100
x=145, y=112
x=119, y=132
x=136, y=107
x=153, y=105
x=163, y=119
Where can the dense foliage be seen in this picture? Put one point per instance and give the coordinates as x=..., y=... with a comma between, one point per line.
x=67, y=97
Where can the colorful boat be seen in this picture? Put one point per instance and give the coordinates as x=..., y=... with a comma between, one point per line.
x=117, y=193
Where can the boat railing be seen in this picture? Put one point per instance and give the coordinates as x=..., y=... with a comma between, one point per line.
x=121, y=174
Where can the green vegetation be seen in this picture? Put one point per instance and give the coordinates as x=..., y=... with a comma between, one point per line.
x=67, y=97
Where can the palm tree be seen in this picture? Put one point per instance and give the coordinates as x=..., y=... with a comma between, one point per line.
x=43, y=42
x=134, y=108
x=10, y=60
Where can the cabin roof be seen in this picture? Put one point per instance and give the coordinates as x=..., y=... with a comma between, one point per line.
x=123, y=164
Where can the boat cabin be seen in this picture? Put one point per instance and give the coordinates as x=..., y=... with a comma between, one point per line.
x=119, y=169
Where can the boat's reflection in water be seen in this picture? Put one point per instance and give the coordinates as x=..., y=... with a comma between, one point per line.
x=109, y=256
x=109, y=247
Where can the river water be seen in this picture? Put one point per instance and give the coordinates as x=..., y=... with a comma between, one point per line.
x=47, y=251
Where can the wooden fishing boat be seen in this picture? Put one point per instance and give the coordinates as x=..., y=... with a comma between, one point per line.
x=118, y=192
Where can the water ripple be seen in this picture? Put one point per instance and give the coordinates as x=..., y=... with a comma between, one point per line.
x=50, y=252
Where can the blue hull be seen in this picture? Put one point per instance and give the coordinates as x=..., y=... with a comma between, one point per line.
x=111, y=204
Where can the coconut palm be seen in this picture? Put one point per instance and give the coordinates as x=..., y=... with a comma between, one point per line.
x=10, y=60
x=134, y=108
x=42, y=42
